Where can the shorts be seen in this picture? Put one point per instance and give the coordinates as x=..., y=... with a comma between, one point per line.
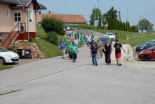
x=118, y=55
x=63, y=51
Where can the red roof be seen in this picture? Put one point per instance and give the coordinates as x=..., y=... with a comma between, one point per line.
x=75, y=19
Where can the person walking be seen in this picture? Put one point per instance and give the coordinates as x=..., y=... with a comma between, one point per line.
x=118, y=47
x=88, y=40
x=82, y=41
x=74, y=50
x=69, y=48
x=93, y=53
x=62, y=46
x=76, y=42
x=107, y=52
x=100, y=47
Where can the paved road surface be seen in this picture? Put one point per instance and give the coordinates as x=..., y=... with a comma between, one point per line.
x=57, y=81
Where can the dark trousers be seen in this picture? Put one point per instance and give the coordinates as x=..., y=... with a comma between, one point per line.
x=70, y=55
x=94, y=58
x=74, y=56
x=107, y=57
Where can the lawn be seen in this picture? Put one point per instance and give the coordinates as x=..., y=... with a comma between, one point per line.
x=48, y=49
x=4, y=67
x=131, y=38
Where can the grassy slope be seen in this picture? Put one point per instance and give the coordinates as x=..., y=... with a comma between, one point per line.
x=133, y=37
x=48, y=49
x=3, y=67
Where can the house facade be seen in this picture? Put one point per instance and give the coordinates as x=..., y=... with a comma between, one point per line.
x=19, y=16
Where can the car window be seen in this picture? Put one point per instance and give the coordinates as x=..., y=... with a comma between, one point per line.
x=2, y=50
x=151, y=43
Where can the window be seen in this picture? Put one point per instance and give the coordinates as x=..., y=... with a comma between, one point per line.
x=151, y=43
x=8, y=13
x=17, y=17
x=30, y=16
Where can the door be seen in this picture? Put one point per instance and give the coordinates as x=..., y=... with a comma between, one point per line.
x=17, y=21
x=153, y=53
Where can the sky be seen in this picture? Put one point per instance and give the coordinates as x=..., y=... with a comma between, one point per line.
x=136, y=8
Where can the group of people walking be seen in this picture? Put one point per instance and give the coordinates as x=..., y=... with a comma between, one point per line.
x=97, y=48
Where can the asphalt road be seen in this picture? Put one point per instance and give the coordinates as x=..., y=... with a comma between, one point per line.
x=58, y=81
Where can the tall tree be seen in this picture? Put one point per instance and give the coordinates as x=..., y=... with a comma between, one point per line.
x=112, y=13
x=96, y=14
x=144, y=24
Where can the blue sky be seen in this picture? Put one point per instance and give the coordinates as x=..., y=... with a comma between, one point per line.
x=136, y=8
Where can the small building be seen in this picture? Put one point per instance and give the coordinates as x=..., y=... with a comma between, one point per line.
x=18, y=20
x=66, y=18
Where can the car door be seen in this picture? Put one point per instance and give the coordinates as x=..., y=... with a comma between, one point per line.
x=153, y=53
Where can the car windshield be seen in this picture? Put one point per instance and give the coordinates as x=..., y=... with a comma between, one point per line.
x=2, y=50
x=111, y=34
x=150, y=42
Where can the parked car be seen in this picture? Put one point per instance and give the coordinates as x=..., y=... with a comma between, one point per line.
x=145, y=46
x=67, y=28
x=8, y=56
x=104, y=39
x=111, y=36
x=147, y=55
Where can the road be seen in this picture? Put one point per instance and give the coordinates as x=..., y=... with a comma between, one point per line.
x=58, y=81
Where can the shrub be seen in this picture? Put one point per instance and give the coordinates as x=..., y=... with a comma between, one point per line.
x=50, y=24
x=53, y=38
x=30, y=39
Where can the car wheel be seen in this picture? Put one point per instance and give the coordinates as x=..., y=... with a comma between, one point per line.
x=2, y=61
x=147, y=58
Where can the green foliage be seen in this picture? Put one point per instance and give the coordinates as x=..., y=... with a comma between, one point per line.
x=30, y=39
x=112, y=13
x=96, y=14
x=53, y=24
x=144, y=24
x=53, y=38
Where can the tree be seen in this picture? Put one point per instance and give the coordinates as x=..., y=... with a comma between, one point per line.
x=112, y=13
x=144, y=24
x=96, y=14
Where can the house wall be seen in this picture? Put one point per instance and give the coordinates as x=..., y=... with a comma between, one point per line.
x=6, y=24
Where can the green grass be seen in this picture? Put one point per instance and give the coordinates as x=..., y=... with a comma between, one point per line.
x=134, y=38
x=8, y=92
x=4, y=67
x=48, y=49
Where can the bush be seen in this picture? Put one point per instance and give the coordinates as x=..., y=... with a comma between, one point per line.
x=53, y=38
x=30, y=39
x=53, y=24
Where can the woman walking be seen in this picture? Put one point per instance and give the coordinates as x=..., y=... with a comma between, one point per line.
x=108, y=50
x=74, y=52
x=69, y=47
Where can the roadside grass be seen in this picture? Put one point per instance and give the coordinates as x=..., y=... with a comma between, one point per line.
x=131, y=38
x=4, y=67
x=9, y=92
x=48, y=49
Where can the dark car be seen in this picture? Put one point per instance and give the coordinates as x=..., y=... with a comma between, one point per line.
x=145, y=46
x=104, y=39
x=147, y=55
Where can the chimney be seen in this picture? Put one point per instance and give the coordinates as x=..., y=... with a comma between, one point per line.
x=39, y=12
x=49, y=12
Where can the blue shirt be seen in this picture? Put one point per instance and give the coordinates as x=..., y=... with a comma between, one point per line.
x=76, y=42
x=89, y=39
x=62, y=45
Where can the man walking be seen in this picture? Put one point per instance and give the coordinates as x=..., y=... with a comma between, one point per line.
x=62, y=46
x=82, y=41
x=93, y=53
x=100, y=47
x=118, y=47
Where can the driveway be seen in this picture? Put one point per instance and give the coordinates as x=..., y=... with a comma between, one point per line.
x=58, y=81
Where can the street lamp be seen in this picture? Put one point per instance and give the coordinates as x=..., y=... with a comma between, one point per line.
x=127, y=17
